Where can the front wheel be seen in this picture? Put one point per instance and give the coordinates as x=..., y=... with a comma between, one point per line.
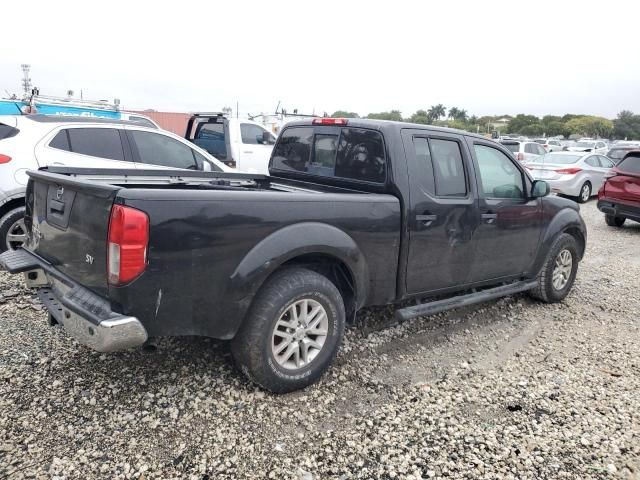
x=614, y=221
x=292, y=332
x=558, y=271
x=585, y=193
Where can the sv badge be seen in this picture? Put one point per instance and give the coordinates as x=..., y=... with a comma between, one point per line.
x=89, y=259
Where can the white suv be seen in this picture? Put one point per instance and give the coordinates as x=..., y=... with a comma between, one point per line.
x=29, y=142
x=524, y=151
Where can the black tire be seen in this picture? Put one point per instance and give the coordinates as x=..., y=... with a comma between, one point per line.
x=581, y=197
x=252, y=348
x=6, y=224
x=545, y=289
x=613, y=221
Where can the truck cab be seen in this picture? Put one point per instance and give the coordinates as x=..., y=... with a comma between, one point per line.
x=242, y=144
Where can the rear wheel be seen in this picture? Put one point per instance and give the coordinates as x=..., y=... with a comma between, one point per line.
x=13, y=232
x=585, y=193
x=558, y=271
x=292, y=332
x=614, y=221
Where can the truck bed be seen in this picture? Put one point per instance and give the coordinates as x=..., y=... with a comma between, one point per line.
x=212, y=236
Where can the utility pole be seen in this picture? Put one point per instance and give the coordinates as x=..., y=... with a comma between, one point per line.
x=26, y=80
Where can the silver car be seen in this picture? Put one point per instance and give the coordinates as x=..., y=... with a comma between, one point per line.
x=575, y=174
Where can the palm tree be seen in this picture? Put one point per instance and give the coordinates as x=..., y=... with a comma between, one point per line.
x=453, y=113
x=437, y=111
x=462, y=115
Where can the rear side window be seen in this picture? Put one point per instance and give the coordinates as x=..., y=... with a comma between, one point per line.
x=7, y=131
x=448, y=168
x=630, y=164
x=61, y=141
x=97, y=142
x=350, y=153
x=158, y=149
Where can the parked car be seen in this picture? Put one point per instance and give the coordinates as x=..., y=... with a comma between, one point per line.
x=617, y=152
x=524, y=151
x=241, y=144
x=593, y=146
x=33, y=141
x=619, y=197
x=574, y=174
x=549, y=144
x=355, y=213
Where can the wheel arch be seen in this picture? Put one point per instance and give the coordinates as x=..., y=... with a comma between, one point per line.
x=319, y=247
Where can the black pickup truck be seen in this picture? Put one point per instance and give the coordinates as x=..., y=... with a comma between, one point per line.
x=355, y=213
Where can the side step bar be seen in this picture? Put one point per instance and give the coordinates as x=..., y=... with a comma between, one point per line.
x=430, y=308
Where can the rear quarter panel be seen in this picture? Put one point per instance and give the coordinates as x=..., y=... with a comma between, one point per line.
x=199, y=240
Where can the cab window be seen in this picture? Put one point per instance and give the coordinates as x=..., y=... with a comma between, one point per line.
x=499, y=176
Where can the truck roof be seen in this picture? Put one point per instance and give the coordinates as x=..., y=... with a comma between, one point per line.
x=383, y=125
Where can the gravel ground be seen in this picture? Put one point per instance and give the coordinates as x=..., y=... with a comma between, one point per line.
x=513, y=389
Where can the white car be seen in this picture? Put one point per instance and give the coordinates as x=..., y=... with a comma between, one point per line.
x=524, y=151
x=593, y=146
x=28, y=142
x=549, y=144
x=575, y=174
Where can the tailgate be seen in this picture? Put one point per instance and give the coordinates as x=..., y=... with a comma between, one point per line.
x=67, y=222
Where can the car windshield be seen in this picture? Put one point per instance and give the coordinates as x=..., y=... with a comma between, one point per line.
x=617, y=153
x=514, y=147
x=559, y=158
x=586, y=144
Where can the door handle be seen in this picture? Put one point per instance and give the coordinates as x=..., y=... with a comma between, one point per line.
x=427, y=220
x=489, y=217
x=248, y=151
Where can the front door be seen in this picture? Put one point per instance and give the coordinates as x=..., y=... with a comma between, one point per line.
x=507, y=238
x=443, y=211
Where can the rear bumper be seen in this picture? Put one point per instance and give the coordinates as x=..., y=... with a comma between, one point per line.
x=616, y=208
x=86, y=316
x=569, y=186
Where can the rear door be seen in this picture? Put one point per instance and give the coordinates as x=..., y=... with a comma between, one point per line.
x=506, y=240
x=85, y=147
x=443, y=211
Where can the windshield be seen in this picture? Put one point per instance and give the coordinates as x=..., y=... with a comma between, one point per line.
x=559, y=158
x=586, y=144
x=617, y=153
x=514, y=147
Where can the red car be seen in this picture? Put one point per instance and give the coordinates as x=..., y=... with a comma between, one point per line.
x=619, y=197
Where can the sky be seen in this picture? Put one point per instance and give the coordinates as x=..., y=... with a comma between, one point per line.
x=488, y=57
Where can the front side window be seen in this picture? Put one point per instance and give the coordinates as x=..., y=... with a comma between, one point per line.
x=253, y=135
x=97, y=142
x=350, y=153
x=158, y=149
x=499, y=177
x=448, y=168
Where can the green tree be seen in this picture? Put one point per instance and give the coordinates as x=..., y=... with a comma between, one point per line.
x=453, y=113
x=344, y=114
x=436, y=112
x=394, y=115
x=421, y=116
x=521, y=121
x=626, y=126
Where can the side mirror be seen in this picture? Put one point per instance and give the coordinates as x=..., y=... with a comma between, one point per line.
x=267, y=138
x=540, y=188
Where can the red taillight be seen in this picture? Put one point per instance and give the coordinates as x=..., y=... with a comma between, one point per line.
x=568, y=171
x=520, y=156
x=127, y=247
x=329, y=121
x=4, y=158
